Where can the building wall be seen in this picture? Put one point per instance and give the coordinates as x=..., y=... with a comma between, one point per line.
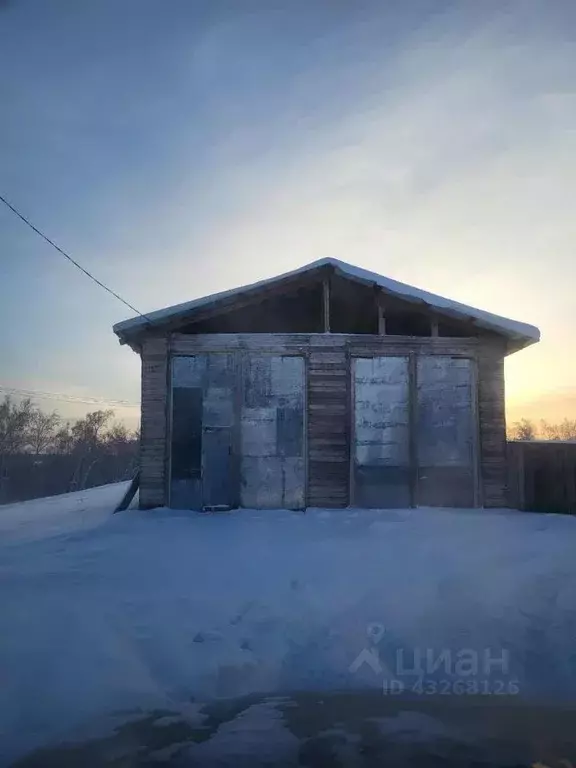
x=328, y=362
x=154, y=422
x=492, y=416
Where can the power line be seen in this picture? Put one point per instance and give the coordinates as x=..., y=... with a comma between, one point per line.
x=60, y=396
x=73, y=261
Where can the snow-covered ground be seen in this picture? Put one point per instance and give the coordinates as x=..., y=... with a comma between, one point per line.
x=41, y=518
x=105, y=613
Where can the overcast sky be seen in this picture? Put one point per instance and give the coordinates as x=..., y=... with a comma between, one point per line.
x=184, y=147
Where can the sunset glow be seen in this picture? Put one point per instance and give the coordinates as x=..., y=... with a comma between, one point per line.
x=187, y=152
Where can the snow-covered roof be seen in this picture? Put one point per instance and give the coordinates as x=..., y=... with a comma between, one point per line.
x=519, y=334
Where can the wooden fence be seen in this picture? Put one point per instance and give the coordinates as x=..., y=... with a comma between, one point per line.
x=542, y=475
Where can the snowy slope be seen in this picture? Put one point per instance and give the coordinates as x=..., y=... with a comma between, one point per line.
x=105, y=613
x=39, y=518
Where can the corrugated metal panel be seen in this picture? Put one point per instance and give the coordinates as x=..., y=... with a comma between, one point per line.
x=381, y=432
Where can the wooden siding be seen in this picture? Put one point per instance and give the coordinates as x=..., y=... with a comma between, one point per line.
x=153, y=450
x=492, y=418
x=328, y=425
x=328, y=415
x=362, y=345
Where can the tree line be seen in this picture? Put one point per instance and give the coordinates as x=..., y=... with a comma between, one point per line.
x=25, y=428
x=35, y=444
x=526, y=429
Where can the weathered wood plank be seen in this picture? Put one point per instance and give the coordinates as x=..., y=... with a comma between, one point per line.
x=322, y=385
x=153, y=451
x=326, y=346
x=333, y=341
x=433, y=347
x=183, y=344
x=328, y=418
x=492, y=421
x=326, y=304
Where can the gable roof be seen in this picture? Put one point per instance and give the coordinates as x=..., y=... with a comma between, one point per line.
x=519, y=334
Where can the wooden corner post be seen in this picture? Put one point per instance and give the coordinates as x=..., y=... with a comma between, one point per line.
x=326, y=303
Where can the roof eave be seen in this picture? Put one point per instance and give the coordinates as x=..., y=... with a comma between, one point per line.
x=519, y=343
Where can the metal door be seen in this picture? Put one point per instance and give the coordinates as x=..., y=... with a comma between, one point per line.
x=202, y=471
x=381, y=426
x=445, y=432
x=272, y=465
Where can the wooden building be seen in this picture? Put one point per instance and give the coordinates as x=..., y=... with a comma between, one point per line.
x=327, y=386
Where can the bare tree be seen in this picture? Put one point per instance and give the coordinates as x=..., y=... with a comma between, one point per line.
x=63, y=439
x=42, y=430
x=566, y=430
x=15, y=420
x=548, y=431
x=117, y=437
x=87, y=431
x=89, y=451
x=523, y=430
x=87, y=435
x=119, y=440
x=14, y=423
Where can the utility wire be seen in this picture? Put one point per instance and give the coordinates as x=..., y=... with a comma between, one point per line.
x=60, y=396
x=73, y=261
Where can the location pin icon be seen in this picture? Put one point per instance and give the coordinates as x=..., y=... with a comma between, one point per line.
x=375, y=632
